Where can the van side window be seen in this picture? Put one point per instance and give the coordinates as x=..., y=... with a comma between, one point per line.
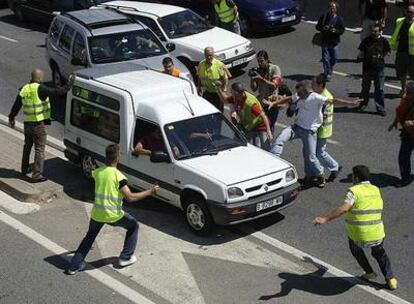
x=153, y=26
x=55, y=30
x=79, y=49
x=148, y=138
x=93, y=119
x=94, y=97
x=66, y=38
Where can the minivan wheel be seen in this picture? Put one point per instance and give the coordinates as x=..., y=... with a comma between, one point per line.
x=198, y=217
x=88, y=164
x=57, y=78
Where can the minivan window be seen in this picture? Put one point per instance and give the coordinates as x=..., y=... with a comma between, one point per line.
x=79, y=48
x=98, y=121
x=55, y=30
x=152, y=25
x=183, y=24
x=204, y=135
x=94, y=97
x=66, y=38
x=125, y=46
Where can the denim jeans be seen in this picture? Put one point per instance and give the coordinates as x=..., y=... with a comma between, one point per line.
x=272, y=114
x=378, y=79
x=259, y=139
x=34, y=133
x=326, y=160
x=378, y=252
x=309, y=140
x=404, y=156
x=329, y=57
x=127, y=222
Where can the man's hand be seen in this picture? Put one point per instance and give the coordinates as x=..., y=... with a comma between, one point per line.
x=12, y=123
x=154, y=189
x=71, y=80
x=409, y=123
x=269, y=136
x=235, y=117
x=357, y=101
x=392, y=126
x=320, y=220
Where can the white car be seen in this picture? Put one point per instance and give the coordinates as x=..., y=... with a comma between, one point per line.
x=188, y=32
x=201, y=161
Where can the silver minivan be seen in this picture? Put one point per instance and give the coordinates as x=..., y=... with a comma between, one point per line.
x=88, y=38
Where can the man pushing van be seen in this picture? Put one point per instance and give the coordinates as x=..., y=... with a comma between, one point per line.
x=111, y=187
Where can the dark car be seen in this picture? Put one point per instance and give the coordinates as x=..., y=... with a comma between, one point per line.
x=255, y=15
x=42, y=11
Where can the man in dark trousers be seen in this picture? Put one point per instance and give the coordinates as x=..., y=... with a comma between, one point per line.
x=362, y=210
x=405, y=117
x=111, y=187
x=372, y=12
x=331, y=27
x=373, y=50
x=34, y=98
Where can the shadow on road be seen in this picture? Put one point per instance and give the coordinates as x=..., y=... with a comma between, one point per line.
x=275, y=33
x=380, y=180
x=299, y=77
x=30, y=26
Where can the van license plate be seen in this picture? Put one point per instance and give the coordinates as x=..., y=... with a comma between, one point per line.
x=238, y=62
x=287, y=19
x=269, y=204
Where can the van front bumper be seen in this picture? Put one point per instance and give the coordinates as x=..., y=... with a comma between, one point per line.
x=230, y=214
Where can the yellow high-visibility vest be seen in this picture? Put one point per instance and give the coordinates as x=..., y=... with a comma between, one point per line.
x=224, y=12
x=34, y=109
x=394, y=40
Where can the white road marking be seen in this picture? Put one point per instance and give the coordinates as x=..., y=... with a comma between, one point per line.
x=12, y=205
x=331, y=269
x=350, y=29
x=97, y=274
x=8, y=39
x=388, y=85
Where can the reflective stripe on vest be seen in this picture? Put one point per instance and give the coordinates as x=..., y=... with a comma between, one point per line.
x=363, y=222
x=210, y=76
x=248, y=120
x=34, y=109
x=394, y=40
x=107, y=207
x=225, y=13
x=326, y=129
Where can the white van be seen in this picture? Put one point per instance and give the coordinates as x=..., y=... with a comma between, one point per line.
x=203, y=163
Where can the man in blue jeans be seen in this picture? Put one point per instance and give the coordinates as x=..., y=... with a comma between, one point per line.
x=111, y=187
x=309, y=118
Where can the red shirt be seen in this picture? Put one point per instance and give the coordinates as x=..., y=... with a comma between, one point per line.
x=255, y=110
x=401, y=113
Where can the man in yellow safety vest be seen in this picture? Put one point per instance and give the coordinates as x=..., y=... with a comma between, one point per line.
x=111, y=187
x=227, y=15
x=362, y=210
x=34, y=98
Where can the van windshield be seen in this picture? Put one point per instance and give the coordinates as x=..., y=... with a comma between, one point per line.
x=125, y=46
x=204, y=135
x=184, y=23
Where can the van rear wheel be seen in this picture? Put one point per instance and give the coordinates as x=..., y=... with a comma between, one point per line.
x=198, y=217
x=88, y=164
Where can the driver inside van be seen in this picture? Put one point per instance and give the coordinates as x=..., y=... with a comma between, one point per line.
x=153, y=142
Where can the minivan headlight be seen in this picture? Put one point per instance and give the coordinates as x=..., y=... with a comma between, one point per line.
x=221, y=56
x=290, y=175
x=249, y=47
x=234, y=192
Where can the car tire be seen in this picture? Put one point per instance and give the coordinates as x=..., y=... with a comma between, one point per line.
x=198, y=217
x=245, y=26
x=57, y=77
x=88, y=164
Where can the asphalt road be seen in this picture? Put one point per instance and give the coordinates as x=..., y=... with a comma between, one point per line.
x=360, y=139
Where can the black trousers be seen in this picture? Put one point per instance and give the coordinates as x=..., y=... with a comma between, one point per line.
x=34, y=133
x=378, y=252
x=404, y=156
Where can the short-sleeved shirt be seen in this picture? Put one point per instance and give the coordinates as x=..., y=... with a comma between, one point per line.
x=374, y=53
x=264, y=89
x=373, y=8
x=151, y=143
x=256, y=111
x=310, y=111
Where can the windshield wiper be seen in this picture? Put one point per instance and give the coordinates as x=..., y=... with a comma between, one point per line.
x=227, y=146
x=197, y=154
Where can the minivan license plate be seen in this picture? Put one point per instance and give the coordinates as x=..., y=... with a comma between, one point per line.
x=238, y=62
x=287, y=19
x=269, y=204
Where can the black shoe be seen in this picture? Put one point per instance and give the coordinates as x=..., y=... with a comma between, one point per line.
x=402, y=183
x=72, y=271
x=320, y=181
x=334, y=175
x=382, y=113
x=361, y=108
x=38, y=179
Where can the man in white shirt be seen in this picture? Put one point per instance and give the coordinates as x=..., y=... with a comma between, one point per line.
x=309, y=118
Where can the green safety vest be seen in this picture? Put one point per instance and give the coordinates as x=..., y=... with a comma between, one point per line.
x=225, y=13
x=363, y=222
x=107, y=207
x=325, y=130
x=210, y=76
x=395, y=36
x=34, y=109
x=248, y=120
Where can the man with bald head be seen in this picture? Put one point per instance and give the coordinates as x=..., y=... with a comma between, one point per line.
x=402, y=41
x=212, y=75
x=34, y=98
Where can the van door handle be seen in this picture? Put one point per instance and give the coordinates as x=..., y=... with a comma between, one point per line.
x=177, y=181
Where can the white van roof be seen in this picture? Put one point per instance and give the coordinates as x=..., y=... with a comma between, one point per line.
x=157, y=96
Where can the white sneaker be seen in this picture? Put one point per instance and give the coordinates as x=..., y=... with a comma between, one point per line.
x=124, y=263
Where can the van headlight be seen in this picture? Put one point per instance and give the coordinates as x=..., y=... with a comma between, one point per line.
x=249, y=46
x=221, y=56
x=290, y=175
x=234, y=192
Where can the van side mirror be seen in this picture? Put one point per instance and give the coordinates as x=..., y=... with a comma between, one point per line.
x=78, y=61
x=159, y=157
x=170, y=46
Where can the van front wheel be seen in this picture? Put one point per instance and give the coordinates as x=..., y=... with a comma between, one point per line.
x=88, y=164
x=198, y=217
